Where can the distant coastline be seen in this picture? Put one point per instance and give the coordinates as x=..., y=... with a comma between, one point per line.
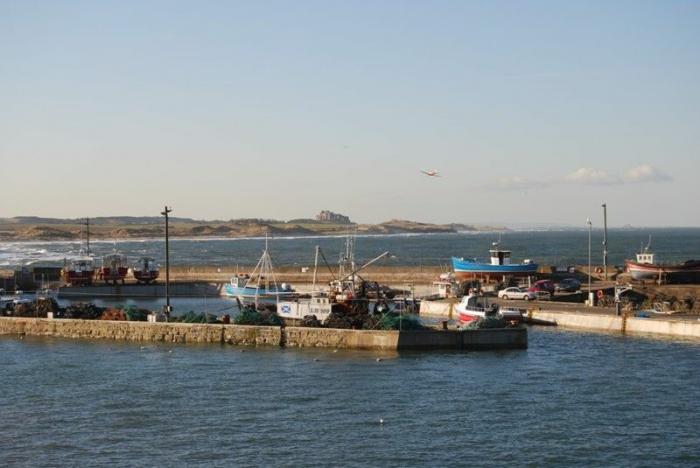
x=48, y=229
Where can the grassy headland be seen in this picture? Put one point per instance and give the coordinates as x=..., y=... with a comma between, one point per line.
x=124, y=227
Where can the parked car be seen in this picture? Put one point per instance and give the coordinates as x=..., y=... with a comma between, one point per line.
x=569, y=285
x=516, y=293
x=543, y=285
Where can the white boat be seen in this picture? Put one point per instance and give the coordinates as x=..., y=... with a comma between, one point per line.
x=295, y=310
x=469, y=308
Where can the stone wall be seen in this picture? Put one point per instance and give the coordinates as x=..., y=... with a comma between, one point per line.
x=248, y=335
x=302, y=337
x=142, y=331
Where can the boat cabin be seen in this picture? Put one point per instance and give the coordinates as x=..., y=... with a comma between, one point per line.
x=646, y=257
x=240, y=280
x=499, y=256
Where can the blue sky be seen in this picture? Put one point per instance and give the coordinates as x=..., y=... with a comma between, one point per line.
x=532, y=111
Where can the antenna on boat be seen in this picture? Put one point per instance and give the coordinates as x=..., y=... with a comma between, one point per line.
x=649, y=244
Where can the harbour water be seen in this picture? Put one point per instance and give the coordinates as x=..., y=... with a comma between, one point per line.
x=565, y=247
x=570, y=399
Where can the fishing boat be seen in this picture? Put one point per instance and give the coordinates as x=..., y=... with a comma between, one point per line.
x=349, y=291
x=260, y=287
x=146, y=270
x=470, y=308
x=646, y=268
x=79, y=271
x=114, y=268
x=500, y=265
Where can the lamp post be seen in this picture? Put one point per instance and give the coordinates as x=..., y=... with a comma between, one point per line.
x=605, y=240
x=166, y=211
x=590, y=294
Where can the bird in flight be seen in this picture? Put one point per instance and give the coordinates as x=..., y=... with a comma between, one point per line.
x=431, y=173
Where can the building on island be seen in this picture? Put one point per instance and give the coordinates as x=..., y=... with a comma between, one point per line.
x=329, y=216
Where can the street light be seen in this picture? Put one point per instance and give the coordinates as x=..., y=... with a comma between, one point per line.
x=167, y=308
x=590, y=294
x=605, y=240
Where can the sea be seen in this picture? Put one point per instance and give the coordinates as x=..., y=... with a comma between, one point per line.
x=562, y=247
x=570, y=399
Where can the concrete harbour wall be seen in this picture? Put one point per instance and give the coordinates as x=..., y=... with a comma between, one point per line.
x=615, y=324
x=301, y=337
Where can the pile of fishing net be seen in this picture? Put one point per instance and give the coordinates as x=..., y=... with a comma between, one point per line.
x=310, y=321
x=135, y=314
x=46, y=304
x=113, y=314
x=493, y=321
x=393, y=321
x=347, y=316
x=194, y=317
x=26, y=309
x=83, y=310
x=251, y=316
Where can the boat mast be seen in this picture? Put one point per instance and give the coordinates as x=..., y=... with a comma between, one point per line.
x=313, y=284
x=87, y=234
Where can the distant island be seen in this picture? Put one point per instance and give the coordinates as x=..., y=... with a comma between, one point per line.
x=25, y=228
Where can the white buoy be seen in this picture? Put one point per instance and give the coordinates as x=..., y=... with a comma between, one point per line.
x=381, y=421
x=170, y=350
x=142, y=348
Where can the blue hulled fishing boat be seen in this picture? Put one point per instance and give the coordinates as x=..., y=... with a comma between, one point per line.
x=470, y=268
x=260, y=287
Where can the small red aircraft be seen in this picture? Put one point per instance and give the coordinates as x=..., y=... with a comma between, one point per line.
x=431, y=173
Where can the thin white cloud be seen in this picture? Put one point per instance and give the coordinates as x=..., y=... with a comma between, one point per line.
x=517, y=183
x=589, y=176
x=646, y=173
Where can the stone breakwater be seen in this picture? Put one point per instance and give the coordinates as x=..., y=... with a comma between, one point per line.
x=248, y=335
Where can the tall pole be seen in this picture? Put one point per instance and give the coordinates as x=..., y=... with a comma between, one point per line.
x=168, y=309
x=590, y=227
x=605, y=240
x=87, y=226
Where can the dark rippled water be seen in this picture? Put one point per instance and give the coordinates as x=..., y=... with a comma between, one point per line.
x=570, y=399
x=548, y=247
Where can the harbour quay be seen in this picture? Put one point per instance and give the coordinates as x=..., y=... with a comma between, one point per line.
x=255, y=335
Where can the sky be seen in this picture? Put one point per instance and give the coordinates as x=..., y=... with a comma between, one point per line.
x=532, y=111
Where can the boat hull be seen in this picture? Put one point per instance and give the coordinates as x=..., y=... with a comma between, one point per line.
x=688, y=272
x=146, y=276
x=113, y=274
x=251, y=295
x=79, y=278
x=468, y=269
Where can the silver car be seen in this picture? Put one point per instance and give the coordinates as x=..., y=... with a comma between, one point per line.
x=516, y=293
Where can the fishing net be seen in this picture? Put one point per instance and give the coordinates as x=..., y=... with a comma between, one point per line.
x=194, y=317
x=394, y=321
x=487, y=322
x=134, y=314
x=251, y=316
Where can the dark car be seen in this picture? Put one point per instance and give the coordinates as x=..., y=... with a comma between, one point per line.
x=569, y=285
x=543, y=285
